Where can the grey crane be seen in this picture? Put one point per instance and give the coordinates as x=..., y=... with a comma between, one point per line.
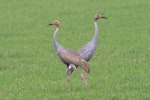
x=68, y=56
x=87, y=51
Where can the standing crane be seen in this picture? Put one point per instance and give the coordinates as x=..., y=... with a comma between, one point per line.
x=87, y=51
x=68, y=56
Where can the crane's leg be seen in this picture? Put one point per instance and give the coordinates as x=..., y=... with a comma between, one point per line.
x=68, y=77
x=85, y=69
x=83, y=77
x=70, y=69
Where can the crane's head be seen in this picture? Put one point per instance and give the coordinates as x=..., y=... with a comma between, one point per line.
x=98, y=16
x=56, y=23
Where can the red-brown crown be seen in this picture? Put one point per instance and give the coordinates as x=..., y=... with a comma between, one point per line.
x=56, y=22
x=98, y=16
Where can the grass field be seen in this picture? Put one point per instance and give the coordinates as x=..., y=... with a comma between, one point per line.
x=30, y=69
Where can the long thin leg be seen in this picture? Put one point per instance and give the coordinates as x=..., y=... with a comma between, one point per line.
x=70, y=69
x=83, y=77
x=68, y=77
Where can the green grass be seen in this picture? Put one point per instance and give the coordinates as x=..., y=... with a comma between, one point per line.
x=30, y=69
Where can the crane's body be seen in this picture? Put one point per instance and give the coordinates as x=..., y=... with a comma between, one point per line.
x=68, y=56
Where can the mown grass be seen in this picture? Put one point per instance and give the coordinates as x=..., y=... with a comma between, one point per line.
x=30, y=69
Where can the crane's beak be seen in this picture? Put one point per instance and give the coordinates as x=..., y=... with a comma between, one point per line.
x=50, y=24
x=104, y=17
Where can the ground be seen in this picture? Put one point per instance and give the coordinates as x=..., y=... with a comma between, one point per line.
x=30, y=68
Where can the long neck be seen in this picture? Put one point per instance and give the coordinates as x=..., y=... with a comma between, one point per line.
x=95, y=38
x=56, y=44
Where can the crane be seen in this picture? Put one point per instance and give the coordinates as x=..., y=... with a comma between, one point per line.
x=68, y=56
x=87, y=51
